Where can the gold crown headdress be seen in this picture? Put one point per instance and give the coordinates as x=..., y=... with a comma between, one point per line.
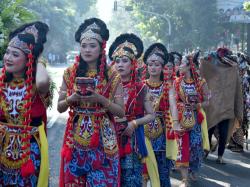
x=120, y=50
x=154, y=57
x=32, y=30
x=88, y=33
x=17, y=43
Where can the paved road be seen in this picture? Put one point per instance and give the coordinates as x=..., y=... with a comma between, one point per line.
x=236, y=173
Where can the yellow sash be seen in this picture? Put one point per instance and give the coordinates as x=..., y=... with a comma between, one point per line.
x=152, y=165
x=44, y=167
x=204, y=131
x=171, y=147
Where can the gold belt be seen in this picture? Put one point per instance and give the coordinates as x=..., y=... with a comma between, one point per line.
x=12, y=140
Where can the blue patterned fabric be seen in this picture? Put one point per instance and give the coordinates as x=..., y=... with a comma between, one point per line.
x=94, y=166
x=196, y=150
x=131, y=171
x=159, y=144
x=14, y=178
x=131, y=167
x=164, y=167
x=140, y=137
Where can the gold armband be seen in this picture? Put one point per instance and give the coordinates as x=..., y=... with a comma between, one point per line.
x=134, y=123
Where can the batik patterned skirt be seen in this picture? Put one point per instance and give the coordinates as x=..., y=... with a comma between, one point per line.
x=131, y=168
x=190, y=151
x=92, y=168
x=164, y=167
x=164, y=164
x=11, y=177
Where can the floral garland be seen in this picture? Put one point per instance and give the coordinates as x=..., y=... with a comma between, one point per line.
x=133, y=89
x=144, y=73
x=66, y=152
x=197, y=83
x=132, y=92
x=177, y=89
x=165, y=100
x=28, y=167
x=170, y=135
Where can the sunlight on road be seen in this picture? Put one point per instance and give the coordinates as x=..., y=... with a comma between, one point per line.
x=56, y=74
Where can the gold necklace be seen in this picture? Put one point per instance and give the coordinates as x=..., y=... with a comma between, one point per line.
x=154, y=84
x=91, y=73
x=17, y=82
x=189, y=80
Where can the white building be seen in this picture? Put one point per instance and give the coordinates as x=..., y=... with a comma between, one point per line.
x=229, y=4
x=232, y=11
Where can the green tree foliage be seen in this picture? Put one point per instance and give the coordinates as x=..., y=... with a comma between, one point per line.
x=121, y=22
x=62, y=16
x=194, y=22
x=12, y=14
x=247, y=6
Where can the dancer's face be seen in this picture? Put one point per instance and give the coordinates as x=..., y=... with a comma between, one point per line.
x=90, y=50
x=154, y=67
x=14, y=61
x=169, y=68
x=123, y=66
x=184, y=67
x=177, y=62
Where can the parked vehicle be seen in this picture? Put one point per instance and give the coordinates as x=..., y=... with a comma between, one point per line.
x=71, y=56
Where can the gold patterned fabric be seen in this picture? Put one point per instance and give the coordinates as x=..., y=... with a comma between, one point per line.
x=86, y=119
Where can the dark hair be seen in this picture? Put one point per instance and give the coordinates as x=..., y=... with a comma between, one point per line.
x=83, y=68
x=104, y=32
x=193, y=59
x=177, y=54
x=28, y=39
x=164, y=56
x=196, y=58
x=171, y=58
x=42, y=29
x=131, y=38
x=161, y=47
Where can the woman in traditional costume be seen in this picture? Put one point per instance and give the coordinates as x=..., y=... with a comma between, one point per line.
x=24, y=90
x=176, y=58
x=162, y=94
x=89, y=154
x=125, y=51
x=39, y=30
x=191, y=97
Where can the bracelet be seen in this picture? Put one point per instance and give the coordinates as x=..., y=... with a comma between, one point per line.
x=66, y=101
x=42, y=62
x=134, y=123
x=108, y=105
x=119, y=96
